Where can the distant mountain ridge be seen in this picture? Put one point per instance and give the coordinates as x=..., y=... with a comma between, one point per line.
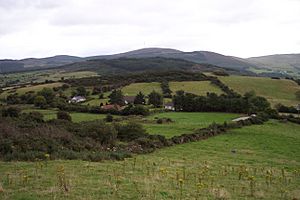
x=278, y=63
x=199, y=57
x=50, y=61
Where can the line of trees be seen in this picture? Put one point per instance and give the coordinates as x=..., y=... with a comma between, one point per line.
x=167, y=92
x=249, y=103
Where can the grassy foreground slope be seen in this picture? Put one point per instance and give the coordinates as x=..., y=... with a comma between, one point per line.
x=276, y=91
x=195, y=87
x=256, y=162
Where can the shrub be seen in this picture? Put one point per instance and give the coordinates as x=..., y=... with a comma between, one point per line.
x=159, y=121
x=109, y=118
x=40, y=101
x=130, y=131
x=99, y=131
x=35, y=116
x=64, y=115
x=11, y=112
x=136, y=110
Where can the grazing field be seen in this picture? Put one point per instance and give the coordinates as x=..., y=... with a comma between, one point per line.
x=67, y=75
x=255, y=162
x=276, y=91
x=41, y=76
x=195, y=87
x=184, y=122
x=76, y=116
x=145, y=88
x=34, y=88
x=96, y=102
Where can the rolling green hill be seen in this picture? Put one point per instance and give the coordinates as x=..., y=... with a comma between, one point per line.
x=34, y=88
x=145, y=88
x=276, y=91
x=286, y=63
x=195, y=87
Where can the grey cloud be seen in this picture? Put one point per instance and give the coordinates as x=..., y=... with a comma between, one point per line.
x=91, y=26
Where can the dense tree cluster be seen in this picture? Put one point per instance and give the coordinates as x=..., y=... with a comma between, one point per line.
x=135, y=110
x=119, y=80
x=249, y=103
x=80, y=91
x=117, y=97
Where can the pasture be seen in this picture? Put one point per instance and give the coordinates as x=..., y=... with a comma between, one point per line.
x=34, y=88
x=184, y=122
x=145, y=88
x=195, y=87
x=58, y=75
x=42, y=76
x=76, y=116
x=255, y=162
x=276, y=91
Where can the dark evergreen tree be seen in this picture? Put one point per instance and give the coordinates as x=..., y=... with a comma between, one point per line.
x=178, y=100
x=156, y=99
x=140, y=99
x=166, y=89
x=116, y=97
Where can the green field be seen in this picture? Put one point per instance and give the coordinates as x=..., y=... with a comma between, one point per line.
x=184, y=122
x=145, y=88
x=42, y=76
x=34, y=88
x=276, y=91
x=96, y=102
x=76, y=117
x=265, y=165
x=195, y=87
x=67, y=75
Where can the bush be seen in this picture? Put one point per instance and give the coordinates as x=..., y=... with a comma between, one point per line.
x=159, y=121
x=35, y=116
x=40, y=101
x=130, y=131
x=11, y=112
x=136, y=110
x=109, y=118
x=64, y=115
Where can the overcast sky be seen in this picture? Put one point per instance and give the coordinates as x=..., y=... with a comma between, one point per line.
x=244, y=28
